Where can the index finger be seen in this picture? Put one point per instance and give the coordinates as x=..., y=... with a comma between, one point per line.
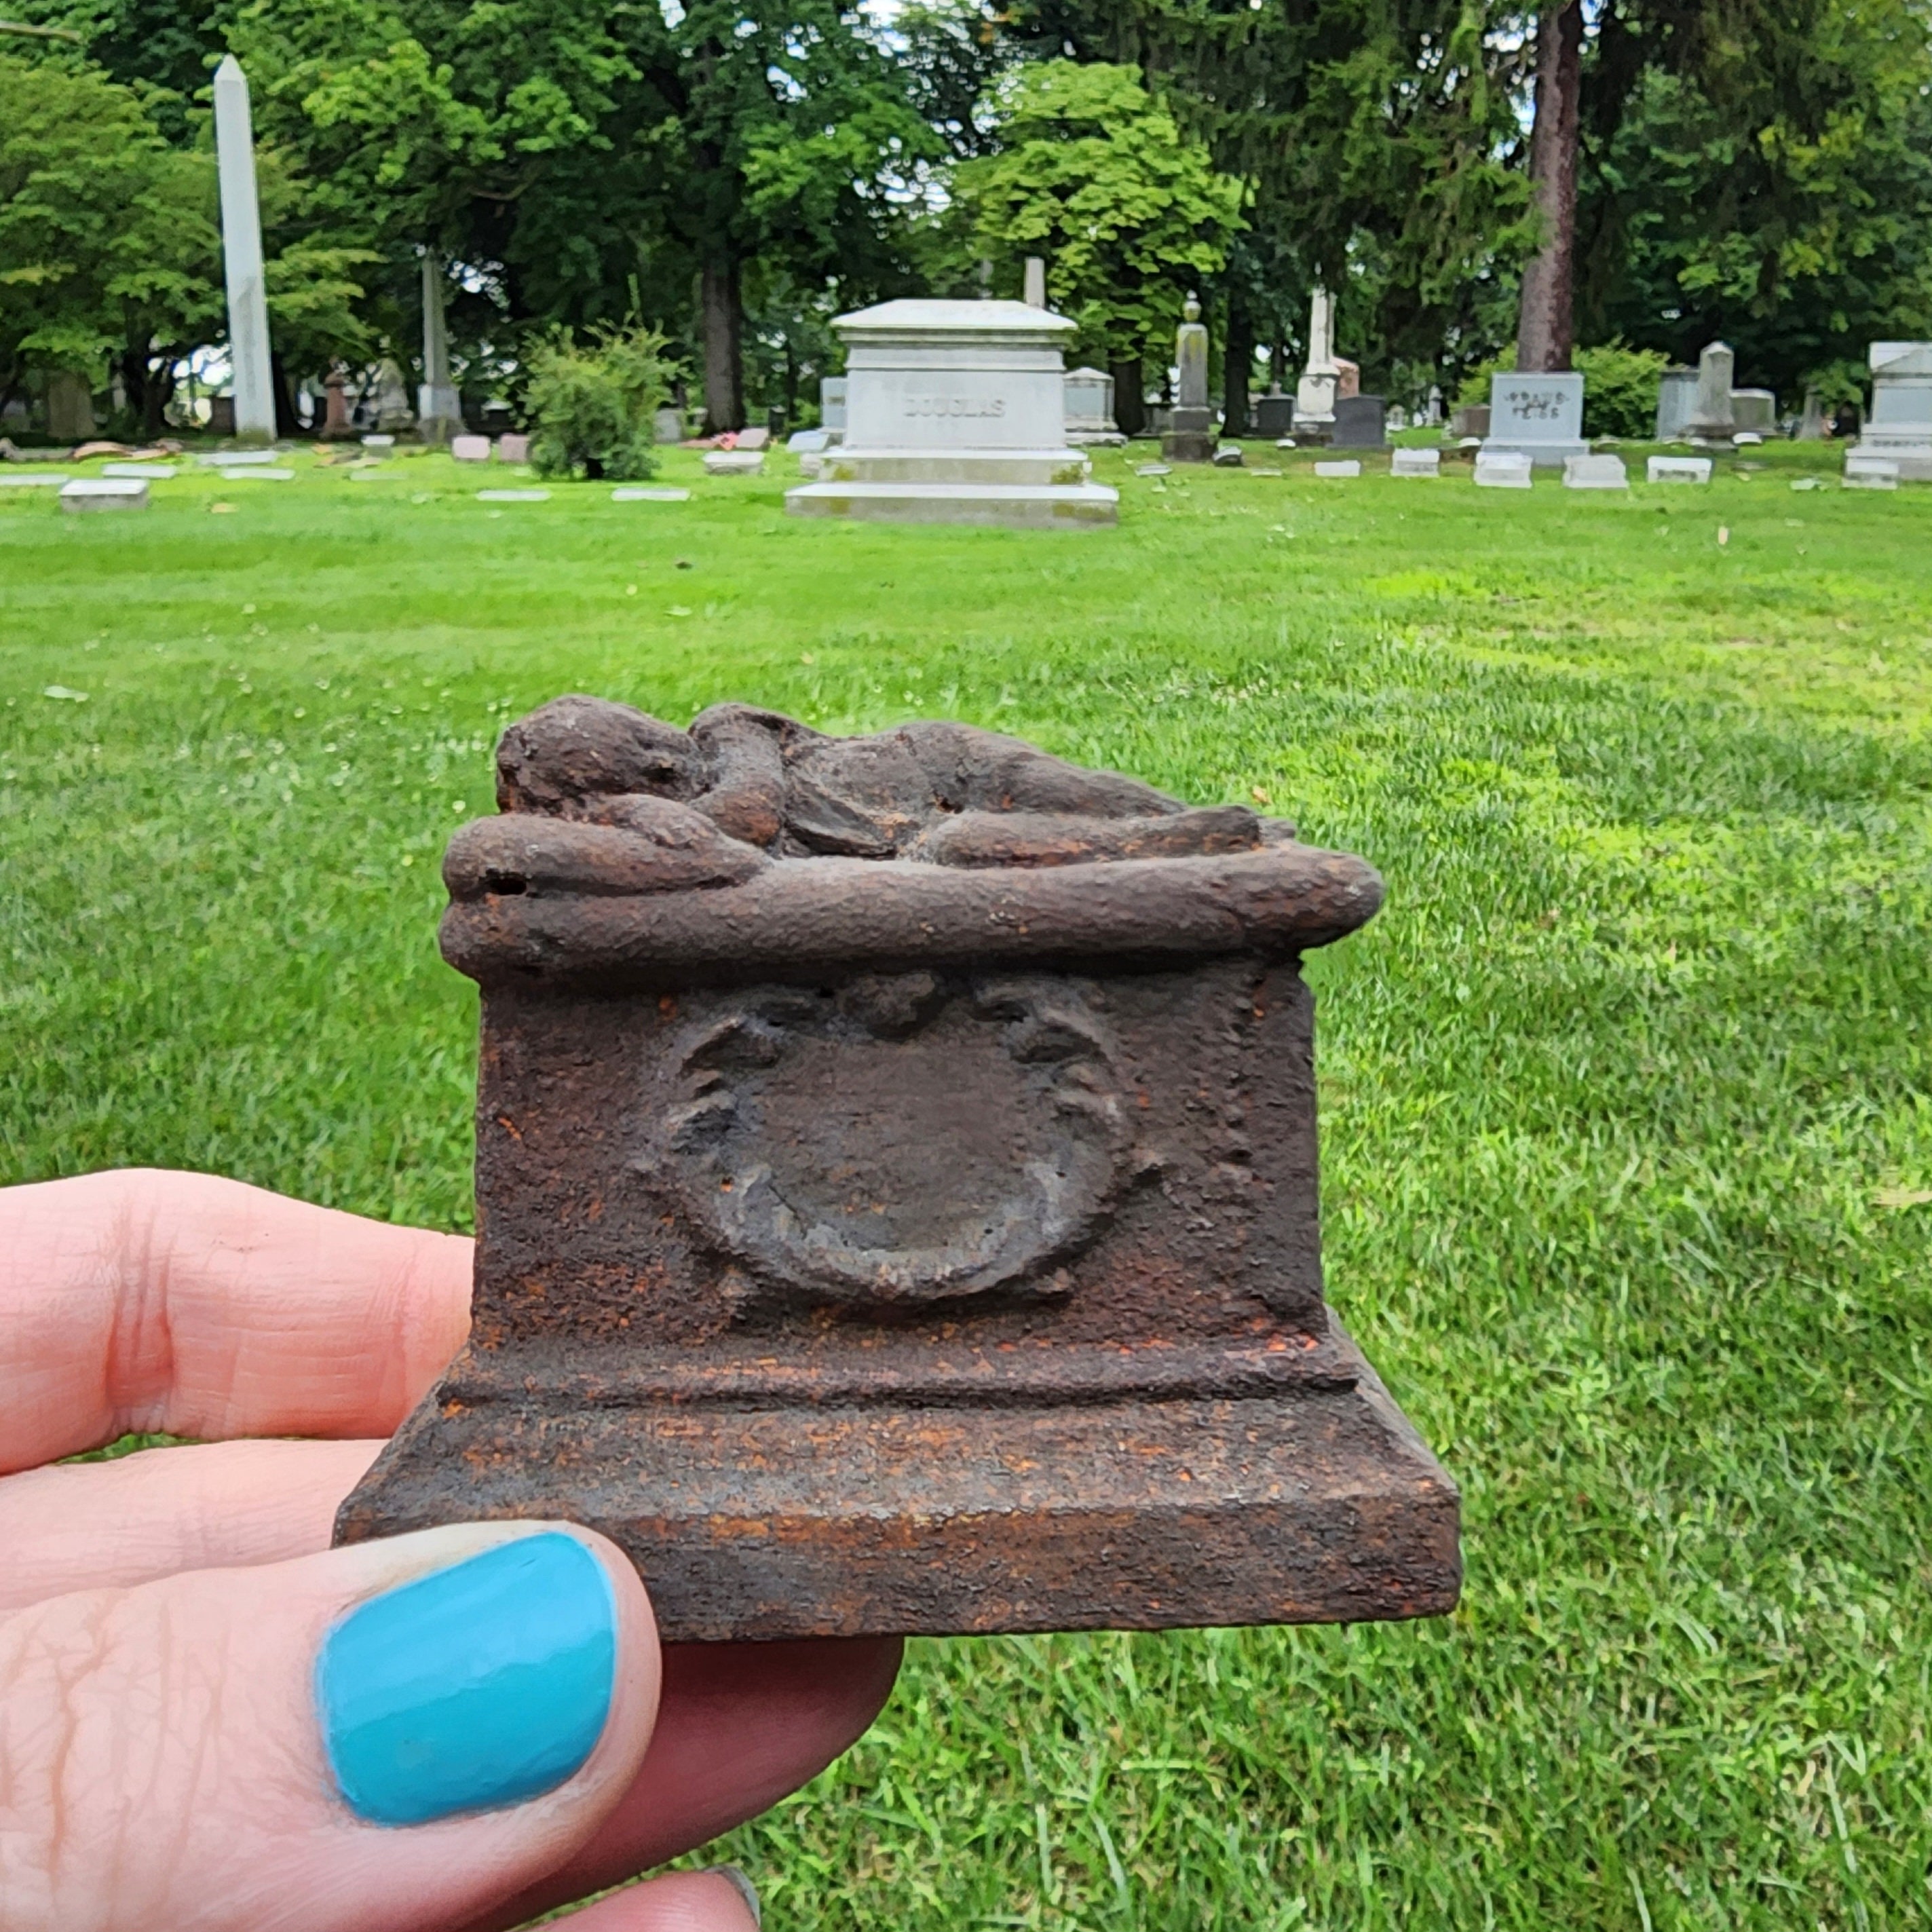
x=145, y=1300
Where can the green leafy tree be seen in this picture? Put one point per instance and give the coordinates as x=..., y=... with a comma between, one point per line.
x=1092, y=173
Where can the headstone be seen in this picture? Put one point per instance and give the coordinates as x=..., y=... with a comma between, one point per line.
x=1361, y=422
x=1712, y=424
x=1228, y=456
x=1900, y=425
x=147, y=470
x=264, y=475
x=1314, y=412
x=1503, y=468
x=752, y=439
x=70, y=406
x=1678, y=469
x=1754, y=409
x=1350, y=466
x=439, y=407
x=1416, y=462
x=335, y=423
x=103, y=493
x=379, y=442
x=512, y=448
x=242, y=254
x=513, y=496
x=1865, y=471
x=1539, y=415
x=1746, y=439
x=1471, y=419
x=1274, y=415
x=1432, y=410
x=393, y=413
x=1035, y=294
x=236, y=459
x=1811, y=424
x=832, y=390
x=733, y=462
x=1594, y=472
x=1190, y=437
x=808, y=441
x=33, y=480
x=1676, y=403
x=634, y=496
x=1088, y=405
x=956, y=414
x=1348, y=378
x=470, y=449
x=1397, y=419
x=667, y=426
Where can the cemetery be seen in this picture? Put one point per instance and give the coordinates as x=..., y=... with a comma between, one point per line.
x=1192, y=986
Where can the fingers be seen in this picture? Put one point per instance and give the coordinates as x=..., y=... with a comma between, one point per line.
x=721, y=1900
x=217, y=1506
x=393, y=1736
x=180, y=1303
x=739, y=1725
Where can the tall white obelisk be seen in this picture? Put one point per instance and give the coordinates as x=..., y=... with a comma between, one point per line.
x=241, y=251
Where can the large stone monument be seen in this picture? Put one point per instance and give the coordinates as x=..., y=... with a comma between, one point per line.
x=1713, y=418
x=955, y=412
x=1190, y=436
x=1537, y=416
x=896, y=1170
x=439, y=407
x=241, y=255
x=1900, y=425
x=1314, y=417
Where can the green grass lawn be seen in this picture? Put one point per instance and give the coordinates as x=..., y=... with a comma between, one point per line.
x=1628, y=1143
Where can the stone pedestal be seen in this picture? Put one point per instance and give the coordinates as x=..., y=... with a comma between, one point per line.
x=1900, y=426
x=896, y=1176
x=1190, y=437
x=1539, y=416
x=955, y=413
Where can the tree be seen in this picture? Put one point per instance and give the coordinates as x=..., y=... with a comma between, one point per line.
x=1092, y=173
x=1545, y=326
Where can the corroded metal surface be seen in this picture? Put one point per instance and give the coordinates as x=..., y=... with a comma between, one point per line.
x=896, y=1183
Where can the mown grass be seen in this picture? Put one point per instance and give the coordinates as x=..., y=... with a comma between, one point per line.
x=1628, y=1150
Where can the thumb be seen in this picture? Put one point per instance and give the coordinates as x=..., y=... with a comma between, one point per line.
x=391, y=1736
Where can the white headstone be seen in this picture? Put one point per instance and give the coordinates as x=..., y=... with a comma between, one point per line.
x=1754, y=409
x=1863, y=471
x=1676, y=399
x=241, y=253
x=513, y=496
x=1088, y=405
x=145, y=470
x=1539, y=416
x=103, y=493
x=955, y=412
x=470, y=449
x=236, y=459
x=808, y=441
x=1711, y=420
x=1900, y=425
x=733, y=462
x=1315, y=393
x=1350, y=467
x=1502, y=469
x=35, y=480
x=667, y=426
x=1678, y=469
x=1595, y=472
x=1035, y=294
x=633, y=496
x=1416, y=462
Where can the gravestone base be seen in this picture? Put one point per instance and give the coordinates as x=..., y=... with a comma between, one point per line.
x=1012, y=506
x=1190, y=436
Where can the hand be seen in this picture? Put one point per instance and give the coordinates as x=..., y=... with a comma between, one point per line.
x=169, y=1758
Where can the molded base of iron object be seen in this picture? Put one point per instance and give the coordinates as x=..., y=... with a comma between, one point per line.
x=897, y=1188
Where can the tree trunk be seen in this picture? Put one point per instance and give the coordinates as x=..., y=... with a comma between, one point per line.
x=1546, y=325
x=1237, y=367
x=723, y=319
x=1129, y=397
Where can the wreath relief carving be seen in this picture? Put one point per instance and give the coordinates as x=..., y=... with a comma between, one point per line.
x=907, y=1140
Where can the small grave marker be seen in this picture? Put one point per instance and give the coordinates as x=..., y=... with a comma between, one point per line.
x=1678, y=469
x=86, y=493
x=1416, y=462
x=470, y=449
x=1871, y=473
x=513, y=496
x=1502, y=469
x=142, y=470
x=650, y=496
x=512, y=448
x=1350, y=468
x=733, y=462
x=1594, y=472
x=38, y=481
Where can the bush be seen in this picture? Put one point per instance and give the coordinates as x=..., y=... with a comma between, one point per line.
x=593, y=406
x=1620, y=387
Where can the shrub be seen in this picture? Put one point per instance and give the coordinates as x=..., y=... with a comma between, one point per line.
x=593, y=406
x=1620, y=387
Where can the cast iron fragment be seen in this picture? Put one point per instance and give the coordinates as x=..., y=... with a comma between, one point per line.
x=896, y=1195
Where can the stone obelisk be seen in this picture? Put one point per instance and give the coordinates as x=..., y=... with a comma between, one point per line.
x=439, y=407
x=241, y=252
x=1190, y=436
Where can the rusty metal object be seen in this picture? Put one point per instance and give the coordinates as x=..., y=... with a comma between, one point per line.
x=896, y=1187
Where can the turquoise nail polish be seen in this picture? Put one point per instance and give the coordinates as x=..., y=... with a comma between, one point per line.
x=475, y=1687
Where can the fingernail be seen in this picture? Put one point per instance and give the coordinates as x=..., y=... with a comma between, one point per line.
x=736, y=1875
x=475, y=1687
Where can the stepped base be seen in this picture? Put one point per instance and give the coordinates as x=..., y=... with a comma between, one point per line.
x=1012, y=506
x=1542, y=455
x=871, y=1513
x=1059, y=467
